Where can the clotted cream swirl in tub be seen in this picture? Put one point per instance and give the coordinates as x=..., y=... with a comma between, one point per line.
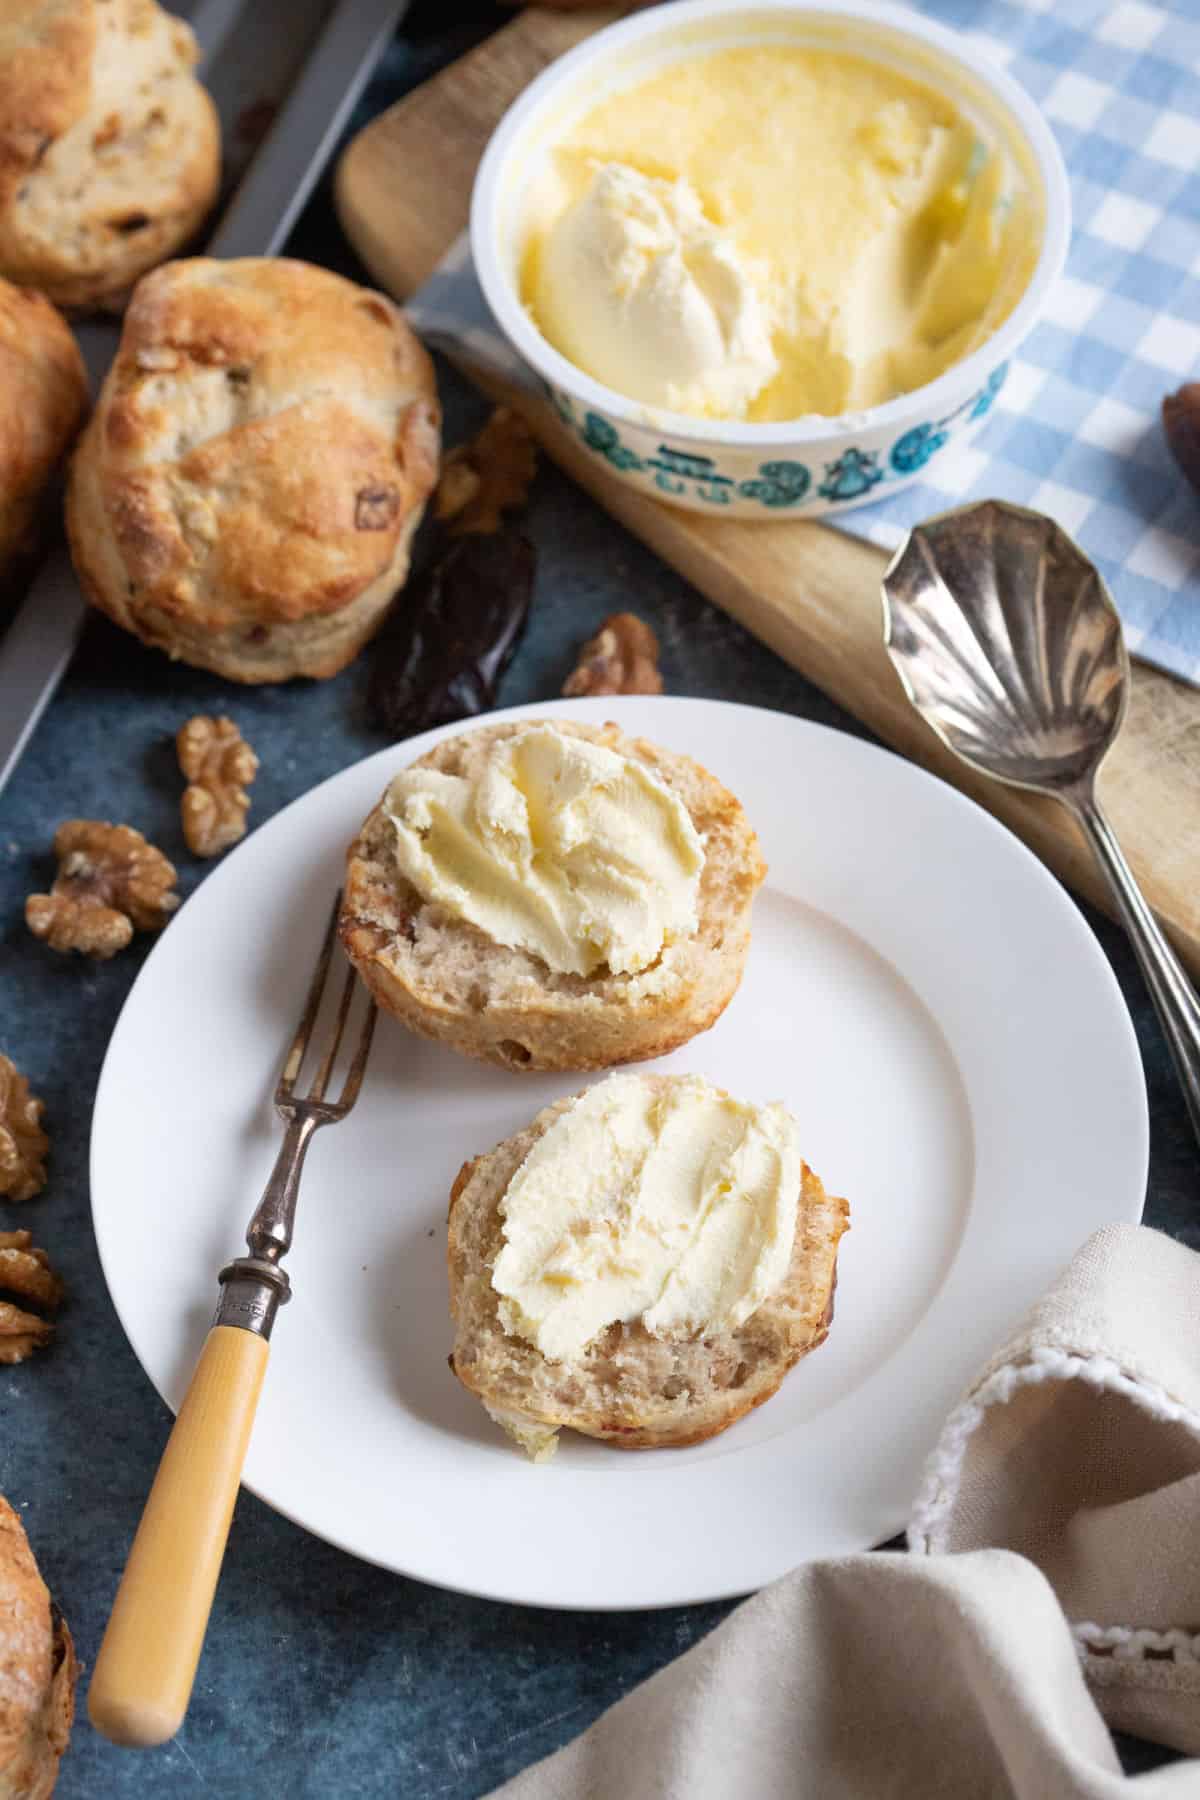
x=780, y=468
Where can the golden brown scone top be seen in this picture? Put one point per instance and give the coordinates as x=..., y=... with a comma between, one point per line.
x=109, y=146
x=43, y=397
x=260, y=445
x=37, y=1671
x=46, y=50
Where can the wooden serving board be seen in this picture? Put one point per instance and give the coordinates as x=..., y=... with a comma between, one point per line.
x=811, y=592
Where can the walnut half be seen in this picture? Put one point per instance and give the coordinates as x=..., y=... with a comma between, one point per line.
x=23, y=1143
x=26, y=1273
x=219, y=765
x=487, y=477
x=110, y=883
x=622, y=658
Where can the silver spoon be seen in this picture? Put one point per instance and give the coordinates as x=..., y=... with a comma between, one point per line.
x=1008, y=644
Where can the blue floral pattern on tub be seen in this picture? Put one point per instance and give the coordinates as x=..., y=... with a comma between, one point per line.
x=675, y=468
x=854, y=473
x=778, y=484
x=912, y=451
x=991, y=388
x=599, y=435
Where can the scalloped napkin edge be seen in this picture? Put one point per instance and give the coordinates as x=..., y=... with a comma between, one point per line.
x=1078, y=1446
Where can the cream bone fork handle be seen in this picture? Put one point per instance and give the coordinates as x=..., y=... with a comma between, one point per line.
x=1009, y=645
x=144, y=1673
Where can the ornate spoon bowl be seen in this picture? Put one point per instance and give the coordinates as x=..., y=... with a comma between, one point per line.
x=1009, y=645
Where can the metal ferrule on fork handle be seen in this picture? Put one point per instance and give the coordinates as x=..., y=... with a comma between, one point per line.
x=254, y=1287
x=252, y=1291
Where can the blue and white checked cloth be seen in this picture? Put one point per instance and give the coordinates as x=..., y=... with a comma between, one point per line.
x=1076, y=431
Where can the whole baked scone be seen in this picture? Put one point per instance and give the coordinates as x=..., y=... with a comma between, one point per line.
x=552, y=895
x=110, y=149
x=37, y=1671
x=43, y=397
x=261, y=451
x=643, y=1263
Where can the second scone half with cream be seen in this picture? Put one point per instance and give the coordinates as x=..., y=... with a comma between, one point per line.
x=552, y=895
x=643, y=1263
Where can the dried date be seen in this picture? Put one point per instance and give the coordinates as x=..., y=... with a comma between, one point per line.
x=1181, y=422
x=454, y=631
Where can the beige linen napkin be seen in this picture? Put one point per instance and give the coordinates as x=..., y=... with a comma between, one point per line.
x=980, y=1674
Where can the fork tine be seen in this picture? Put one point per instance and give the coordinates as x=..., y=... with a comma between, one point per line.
x=295, y=1055
x=317, y=1090
x=353, y=1082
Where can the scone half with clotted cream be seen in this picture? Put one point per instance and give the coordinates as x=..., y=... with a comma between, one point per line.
x=643, y=1263
x=552, y=895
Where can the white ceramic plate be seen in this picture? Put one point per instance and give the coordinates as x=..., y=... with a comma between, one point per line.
x=920, y=992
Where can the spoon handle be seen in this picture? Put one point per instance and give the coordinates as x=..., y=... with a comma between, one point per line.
x=1170, y=989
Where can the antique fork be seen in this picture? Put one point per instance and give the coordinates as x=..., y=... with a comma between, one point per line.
x=147, y=1663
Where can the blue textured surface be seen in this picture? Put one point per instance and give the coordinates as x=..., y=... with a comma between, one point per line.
x=322, y=1676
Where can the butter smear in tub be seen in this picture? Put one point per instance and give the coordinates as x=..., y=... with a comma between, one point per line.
x=768, y=232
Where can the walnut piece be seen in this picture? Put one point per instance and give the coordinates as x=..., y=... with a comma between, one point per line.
x=622, y=658
x=486, y=477
x=21, y=1333
x=219, y=765
x=110, y=883
x=25, y=1272
x=23, y=1143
